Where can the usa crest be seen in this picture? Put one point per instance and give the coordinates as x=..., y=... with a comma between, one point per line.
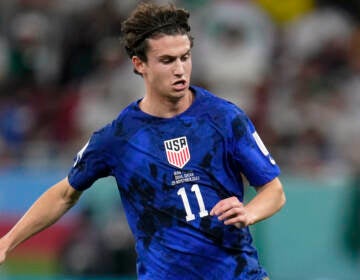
x=177, y=151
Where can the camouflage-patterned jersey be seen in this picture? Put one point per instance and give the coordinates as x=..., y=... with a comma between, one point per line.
x=170, y=172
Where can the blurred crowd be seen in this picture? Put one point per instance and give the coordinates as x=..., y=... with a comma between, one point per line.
x=294, y=68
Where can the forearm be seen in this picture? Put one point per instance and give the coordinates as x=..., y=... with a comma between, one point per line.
x=50, y=206
x=269, y=199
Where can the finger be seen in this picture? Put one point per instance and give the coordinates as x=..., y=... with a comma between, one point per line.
x=219, y=209
x=233, y=212
x=235, y=222
x=218, y=206
x=225, y=205
x=228, y=207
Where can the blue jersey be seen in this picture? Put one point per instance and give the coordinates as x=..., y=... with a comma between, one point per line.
x=170, y=173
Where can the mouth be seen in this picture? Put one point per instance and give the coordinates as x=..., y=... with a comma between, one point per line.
x=180, y=85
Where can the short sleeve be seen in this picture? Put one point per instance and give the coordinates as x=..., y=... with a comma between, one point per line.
x=250, y=152
x=90, y=163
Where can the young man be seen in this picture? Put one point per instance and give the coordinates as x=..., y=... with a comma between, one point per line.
x=178, y=156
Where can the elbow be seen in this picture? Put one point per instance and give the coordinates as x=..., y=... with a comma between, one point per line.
x=71, y=199
x=70, y=202
x=282, y=197
x=279, y=193
x=282, y=200
x=69, y=196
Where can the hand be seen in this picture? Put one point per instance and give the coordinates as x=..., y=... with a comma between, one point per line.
x=232, y=212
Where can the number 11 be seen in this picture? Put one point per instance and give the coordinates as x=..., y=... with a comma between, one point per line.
x=189, y=215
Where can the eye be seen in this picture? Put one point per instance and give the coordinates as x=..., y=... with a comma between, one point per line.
x=185, y=57
x=166, y=60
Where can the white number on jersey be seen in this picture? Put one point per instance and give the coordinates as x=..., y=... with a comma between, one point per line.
x=189, y=214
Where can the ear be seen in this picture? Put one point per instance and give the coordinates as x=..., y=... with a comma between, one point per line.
x=138, y=64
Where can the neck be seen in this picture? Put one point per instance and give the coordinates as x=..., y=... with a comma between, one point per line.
x=166, y=107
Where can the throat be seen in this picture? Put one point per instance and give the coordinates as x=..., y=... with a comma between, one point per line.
x=166, y=108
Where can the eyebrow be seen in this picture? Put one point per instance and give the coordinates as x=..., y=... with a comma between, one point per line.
x=174, y=56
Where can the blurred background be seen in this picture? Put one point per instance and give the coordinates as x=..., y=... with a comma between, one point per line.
x=292, y=65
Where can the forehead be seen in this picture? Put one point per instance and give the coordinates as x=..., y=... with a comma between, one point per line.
x=172, y=45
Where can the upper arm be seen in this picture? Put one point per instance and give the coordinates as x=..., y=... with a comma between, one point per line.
x=274, y=185
x=66, y=192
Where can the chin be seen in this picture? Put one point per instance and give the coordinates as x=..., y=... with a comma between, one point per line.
x=177, y=95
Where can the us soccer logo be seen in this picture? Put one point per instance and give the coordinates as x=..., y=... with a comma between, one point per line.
x=177, y=151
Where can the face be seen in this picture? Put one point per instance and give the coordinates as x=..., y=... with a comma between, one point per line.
x=168, y=68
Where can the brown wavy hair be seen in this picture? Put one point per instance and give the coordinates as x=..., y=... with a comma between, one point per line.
x=149, y=20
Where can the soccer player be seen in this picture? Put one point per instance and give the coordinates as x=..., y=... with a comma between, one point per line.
x=179, y=156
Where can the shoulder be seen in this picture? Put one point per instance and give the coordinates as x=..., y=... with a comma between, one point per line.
x=127, y=122
x=217, y=108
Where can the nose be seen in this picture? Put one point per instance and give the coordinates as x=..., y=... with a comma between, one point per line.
x=179, y=68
